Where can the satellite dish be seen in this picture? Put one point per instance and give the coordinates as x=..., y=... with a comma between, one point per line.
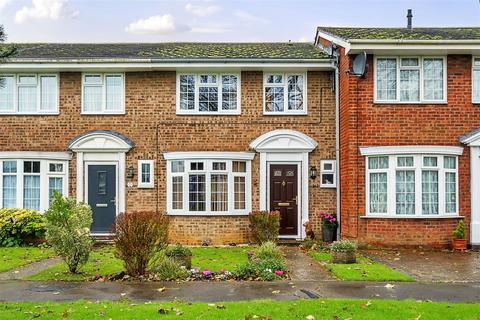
x=359, y=64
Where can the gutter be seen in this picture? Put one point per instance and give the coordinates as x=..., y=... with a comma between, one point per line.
x=157, y=60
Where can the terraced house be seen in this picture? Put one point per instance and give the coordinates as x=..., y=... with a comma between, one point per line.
x=204, y=132
x=409, y=132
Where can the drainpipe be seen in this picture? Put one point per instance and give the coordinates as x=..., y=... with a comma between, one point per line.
x=337, y=141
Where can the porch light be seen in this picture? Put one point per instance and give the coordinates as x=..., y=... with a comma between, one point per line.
x=313, y=172
x=130, y=172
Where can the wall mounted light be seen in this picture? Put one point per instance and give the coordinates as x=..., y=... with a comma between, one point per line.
x=313, y=172
x=130, y=172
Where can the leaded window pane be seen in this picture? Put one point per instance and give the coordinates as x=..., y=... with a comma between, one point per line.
x=430, y=161
x=239, y=193
x=378, y=192
x=450, y=192
x=386, y=79
x=197, y=192
x=295, y=92
x=449, y=163
x=433, y=78
x=219, y=192
x=274, y=99
x=378, y=162
x=177, y=193
x=187, y=92
x=145, y=172
x=229, y=92
x=409, y=85
x=208, y=99
x=178, y=166
x=31, y=192
x=55, y=184
x=405, y=192
x=429, y=192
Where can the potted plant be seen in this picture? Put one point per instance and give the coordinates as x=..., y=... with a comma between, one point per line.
x=343, y=251
x=329, y=226
x=459, y=242
x=181, y=255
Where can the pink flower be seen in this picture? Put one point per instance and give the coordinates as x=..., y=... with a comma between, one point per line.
x=207, y=272
x=223, y=270
x=279, y=273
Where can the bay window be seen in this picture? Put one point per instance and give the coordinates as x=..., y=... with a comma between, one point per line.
x=208, y=93
x=31, y=183
x=411, y=185
x=476, y=80
x=29, y=94
x=103, y=93
x=284, y=93
x=410, y=79
x=208, y=186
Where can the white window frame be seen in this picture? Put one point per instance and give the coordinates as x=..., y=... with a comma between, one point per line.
x=146, y=185
x=218, y=85
x=418, y=167
x=104, y=93
x=44, y=174
x=208, y=158
x=475, y=68
x=333, y=172
x=422, y=100
x=16, y=86
x=284, y=84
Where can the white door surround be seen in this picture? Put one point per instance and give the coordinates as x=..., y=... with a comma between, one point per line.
x=285, y=147
x=101, y=147
x=472, y=140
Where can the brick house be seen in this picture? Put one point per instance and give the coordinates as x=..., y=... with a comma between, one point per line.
x=204, y=132
x=409, y=133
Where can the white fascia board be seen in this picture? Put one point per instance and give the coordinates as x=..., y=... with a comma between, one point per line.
x=341, y=42
x=35, y=155
x=393, y=150
x=208, y=155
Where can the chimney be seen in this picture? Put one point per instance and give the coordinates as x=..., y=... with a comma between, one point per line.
x=409, y=19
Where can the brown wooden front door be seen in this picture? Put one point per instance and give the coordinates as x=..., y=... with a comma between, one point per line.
x=284, y=196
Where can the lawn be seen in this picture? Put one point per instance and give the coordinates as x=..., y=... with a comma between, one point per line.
x=11, y=258
x=256, y=309
x=102, y=261
x=365, y=269
x=213, y=258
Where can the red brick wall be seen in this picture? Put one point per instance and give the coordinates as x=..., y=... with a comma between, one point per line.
x=151, y=110
x=363, y=123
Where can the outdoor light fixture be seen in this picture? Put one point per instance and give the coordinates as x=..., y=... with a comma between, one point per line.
x=130, y=172
x=313, y=172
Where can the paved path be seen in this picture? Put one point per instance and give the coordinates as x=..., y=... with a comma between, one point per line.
x=29, y=269
x=231, y=291
x=302, y=267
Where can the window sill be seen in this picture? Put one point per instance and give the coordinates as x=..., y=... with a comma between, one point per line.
x=285, y=113
x=237, y=113
x=412, y=217
x=29, y=114
x=120, y=113
x=410, y=102
x=206, y=214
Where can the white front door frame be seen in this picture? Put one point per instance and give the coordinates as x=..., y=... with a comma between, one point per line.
x=475, y=196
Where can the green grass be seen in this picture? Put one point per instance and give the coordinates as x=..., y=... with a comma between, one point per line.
x=256, y=309
x=214, y=259
x=364, y=270
x=11, y=258
x=102, y=261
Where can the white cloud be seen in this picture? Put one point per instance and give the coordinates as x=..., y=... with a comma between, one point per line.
x=44, y=10
x=249, y=17
x=202, y=10
x=3, y=3
x=209, y=29
x=160, y=24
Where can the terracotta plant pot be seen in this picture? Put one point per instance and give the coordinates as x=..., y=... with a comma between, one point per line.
x=344, y=257
x=459, y=244
x=184, y=261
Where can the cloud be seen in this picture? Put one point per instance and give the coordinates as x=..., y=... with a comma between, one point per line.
x=250, y=17
x=160, y=24
x=202, y=10
x=210, y=29
x=3, y=3
x=44, y=10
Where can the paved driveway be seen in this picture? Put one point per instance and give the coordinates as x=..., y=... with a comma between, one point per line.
x=428, y=266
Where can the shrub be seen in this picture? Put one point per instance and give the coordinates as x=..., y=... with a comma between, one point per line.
x=268, y=250
x=178, y=251
x=166, y=269
x=138, y=237
x=329, y=220
x=459, y=232
x=264, y=225
x=344, y=245
x=17, y=225
x=266, y=270
x=68, y=230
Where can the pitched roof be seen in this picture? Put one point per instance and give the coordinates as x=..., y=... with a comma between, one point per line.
x=348, y=33
x=168, y=51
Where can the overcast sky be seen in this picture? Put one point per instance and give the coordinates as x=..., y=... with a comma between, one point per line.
x=216, y=20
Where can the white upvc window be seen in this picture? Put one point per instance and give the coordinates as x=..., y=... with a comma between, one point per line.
x=208, y=186
x=103, y=93
x=476, y=80
x=285, y=93
x=208, y=93
x=412, y=185
x=328, y=174
x=145, y=174
x=29, y=94
x=410, y=79
x=31, y=183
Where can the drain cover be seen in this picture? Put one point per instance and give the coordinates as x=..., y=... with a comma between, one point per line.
x=310, y=294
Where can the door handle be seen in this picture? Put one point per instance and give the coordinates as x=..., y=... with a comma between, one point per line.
x=101, y=205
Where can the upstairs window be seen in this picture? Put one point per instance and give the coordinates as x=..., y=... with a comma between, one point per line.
x=145, y=174
x=103, y=93
x=208, y=93
x=284, y=93
x=476, y=80
x=410, y=79
x=29, y=94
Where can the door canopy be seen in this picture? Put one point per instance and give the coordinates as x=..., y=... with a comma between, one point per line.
x=100, y=141
x=283, y=140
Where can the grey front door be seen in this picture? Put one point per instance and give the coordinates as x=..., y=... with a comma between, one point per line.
x=101, y=197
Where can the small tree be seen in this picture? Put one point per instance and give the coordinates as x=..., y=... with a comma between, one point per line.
x=138, y=238
x=459, y=232
x=264, y=225
x=68, y=230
